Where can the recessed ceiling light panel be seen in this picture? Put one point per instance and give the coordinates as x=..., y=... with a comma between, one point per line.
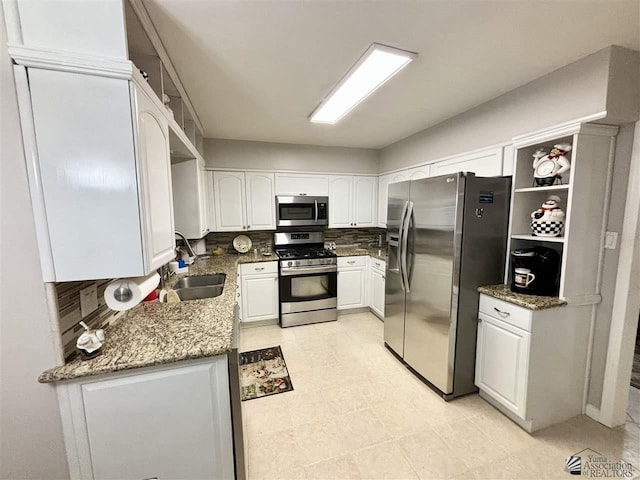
x=378, y=64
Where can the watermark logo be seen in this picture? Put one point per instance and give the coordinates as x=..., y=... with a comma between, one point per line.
x=573, y=465
x=592, y=464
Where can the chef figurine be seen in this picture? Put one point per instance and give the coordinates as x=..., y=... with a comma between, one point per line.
x=549, y=168
x=548, y=220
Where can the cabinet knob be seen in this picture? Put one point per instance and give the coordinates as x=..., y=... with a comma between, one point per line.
x=383, y=277
x=479, y=320
x=248, y=226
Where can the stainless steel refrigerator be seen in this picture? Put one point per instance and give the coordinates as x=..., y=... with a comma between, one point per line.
x=447, y=236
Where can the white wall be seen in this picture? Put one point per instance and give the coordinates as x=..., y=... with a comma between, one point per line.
x=574, y=91
x=243, y=154
x=30, y=426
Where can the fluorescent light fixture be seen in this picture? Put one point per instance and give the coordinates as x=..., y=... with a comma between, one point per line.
x=377, y=65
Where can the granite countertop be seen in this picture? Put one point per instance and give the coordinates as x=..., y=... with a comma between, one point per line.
x=375, y=252
x=250, y=257
x=531, y=302
x=155, y=333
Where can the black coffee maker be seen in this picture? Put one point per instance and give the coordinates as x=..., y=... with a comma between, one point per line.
x=535, y=271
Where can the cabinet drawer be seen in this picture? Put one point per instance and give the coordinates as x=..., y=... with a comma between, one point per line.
x=258, y=268
x=348, y=262
x=378, y=264
x=506, y=312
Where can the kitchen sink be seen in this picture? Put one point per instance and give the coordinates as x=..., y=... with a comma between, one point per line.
x=201, y=281
x=195, y=293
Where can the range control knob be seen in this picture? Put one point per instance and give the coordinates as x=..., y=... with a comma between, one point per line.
x=289, y=263
x=297, y=263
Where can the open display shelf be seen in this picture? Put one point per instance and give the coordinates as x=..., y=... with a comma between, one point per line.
x=583, y=197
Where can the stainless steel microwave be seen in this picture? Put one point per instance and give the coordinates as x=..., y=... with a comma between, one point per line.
x=301, y=210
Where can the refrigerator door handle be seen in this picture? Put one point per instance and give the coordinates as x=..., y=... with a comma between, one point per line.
x=400, y=244
x=403, y=252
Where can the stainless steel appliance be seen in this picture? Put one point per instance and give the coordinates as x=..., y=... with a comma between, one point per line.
x=447, y=236
x=301, y=211
x=308, y=278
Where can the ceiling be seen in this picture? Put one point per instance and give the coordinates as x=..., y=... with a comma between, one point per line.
x=255, y=70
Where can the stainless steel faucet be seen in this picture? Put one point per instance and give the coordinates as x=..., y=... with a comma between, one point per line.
x=186, y=243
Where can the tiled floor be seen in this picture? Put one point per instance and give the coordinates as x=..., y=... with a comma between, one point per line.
x=357, y=413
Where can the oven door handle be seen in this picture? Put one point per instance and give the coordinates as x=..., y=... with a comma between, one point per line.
x=315, y=202
x=289, y=271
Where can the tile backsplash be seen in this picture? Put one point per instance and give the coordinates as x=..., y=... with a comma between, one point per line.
x=264, y=240
x=69, y=315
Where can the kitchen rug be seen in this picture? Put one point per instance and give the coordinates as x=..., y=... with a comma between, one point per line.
x=263, y=372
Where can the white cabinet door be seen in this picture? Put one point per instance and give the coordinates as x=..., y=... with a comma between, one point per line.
x=259, y=297
x=211, y=210
x=383, y=193
x=261, y=203
x=502, y=361
x=364, y=201
x=487, y=163
x=229, y=192
x=352, y=288
x=377, y=292
x=340, y=201
x=189, y=198
x=155, y=167
x=145, y=425
x=419, y=172
x=302, y=184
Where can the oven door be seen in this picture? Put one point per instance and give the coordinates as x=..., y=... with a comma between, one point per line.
x=307, y=290
x=292, y=211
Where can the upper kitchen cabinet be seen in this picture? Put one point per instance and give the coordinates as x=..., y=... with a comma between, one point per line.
x=352, y=201
x=244, y=201
x=383, y=193
x=98, y=151
x=191, y=201
x=485, y=163
x=302, y=184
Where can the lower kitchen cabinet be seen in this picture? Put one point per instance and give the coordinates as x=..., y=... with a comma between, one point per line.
x=158, y=422
x=530, y=364
x=259, y=291
x=376, y=286
x=352, y=282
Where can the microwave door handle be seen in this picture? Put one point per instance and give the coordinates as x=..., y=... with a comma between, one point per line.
x=315, y=202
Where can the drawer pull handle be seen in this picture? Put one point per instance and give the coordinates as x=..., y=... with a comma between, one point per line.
x=351, y=262
x=500, y=312
x=258, y=269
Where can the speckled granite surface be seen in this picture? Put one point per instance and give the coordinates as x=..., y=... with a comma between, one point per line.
x=531, y=302
x=375, y=252
x=155, y=333
x=252, y=258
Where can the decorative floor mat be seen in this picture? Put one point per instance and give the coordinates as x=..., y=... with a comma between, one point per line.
x=263, y=372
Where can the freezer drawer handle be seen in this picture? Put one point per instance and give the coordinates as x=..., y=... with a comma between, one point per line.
x=500, y=312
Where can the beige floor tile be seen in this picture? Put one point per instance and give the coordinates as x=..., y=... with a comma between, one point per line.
x=272, y=454
x=345, y=399
x=338, y=468
x=360, y=429
x=309, y=407
x=401, y=417
x=318, y=441
x=384, y=461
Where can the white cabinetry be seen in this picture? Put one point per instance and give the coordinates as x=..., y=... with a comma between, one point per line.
x=302, y=184
x=376, y=286
x=416, y=173
x=352, y=282
x=383, y=193
x=485, y=163
x=144, y=424
x=259, y=291
x=244, y=201
x=100, y=180
x=352, y=201
x=190, y=198
x=531, y=364
x=210, y=199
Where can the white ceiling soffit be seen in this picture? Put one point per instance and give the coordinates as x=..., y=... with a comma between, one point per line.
x=254, y=70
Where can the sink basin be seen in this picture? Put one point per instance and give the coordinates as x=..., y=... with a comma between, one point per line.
x=201, y=281
x=195, y=293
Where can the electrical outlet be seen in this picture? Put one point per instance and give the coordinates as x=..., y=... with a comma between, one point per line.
x=611, y=240
x=88, y=300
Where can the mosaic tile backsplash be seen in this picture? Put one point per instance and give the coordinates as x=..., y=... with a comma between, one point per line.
x=264, y=240
x=69, y=313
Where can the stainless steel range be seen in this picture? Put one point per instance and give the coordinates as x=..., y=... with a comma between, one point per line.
x=308, y=278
